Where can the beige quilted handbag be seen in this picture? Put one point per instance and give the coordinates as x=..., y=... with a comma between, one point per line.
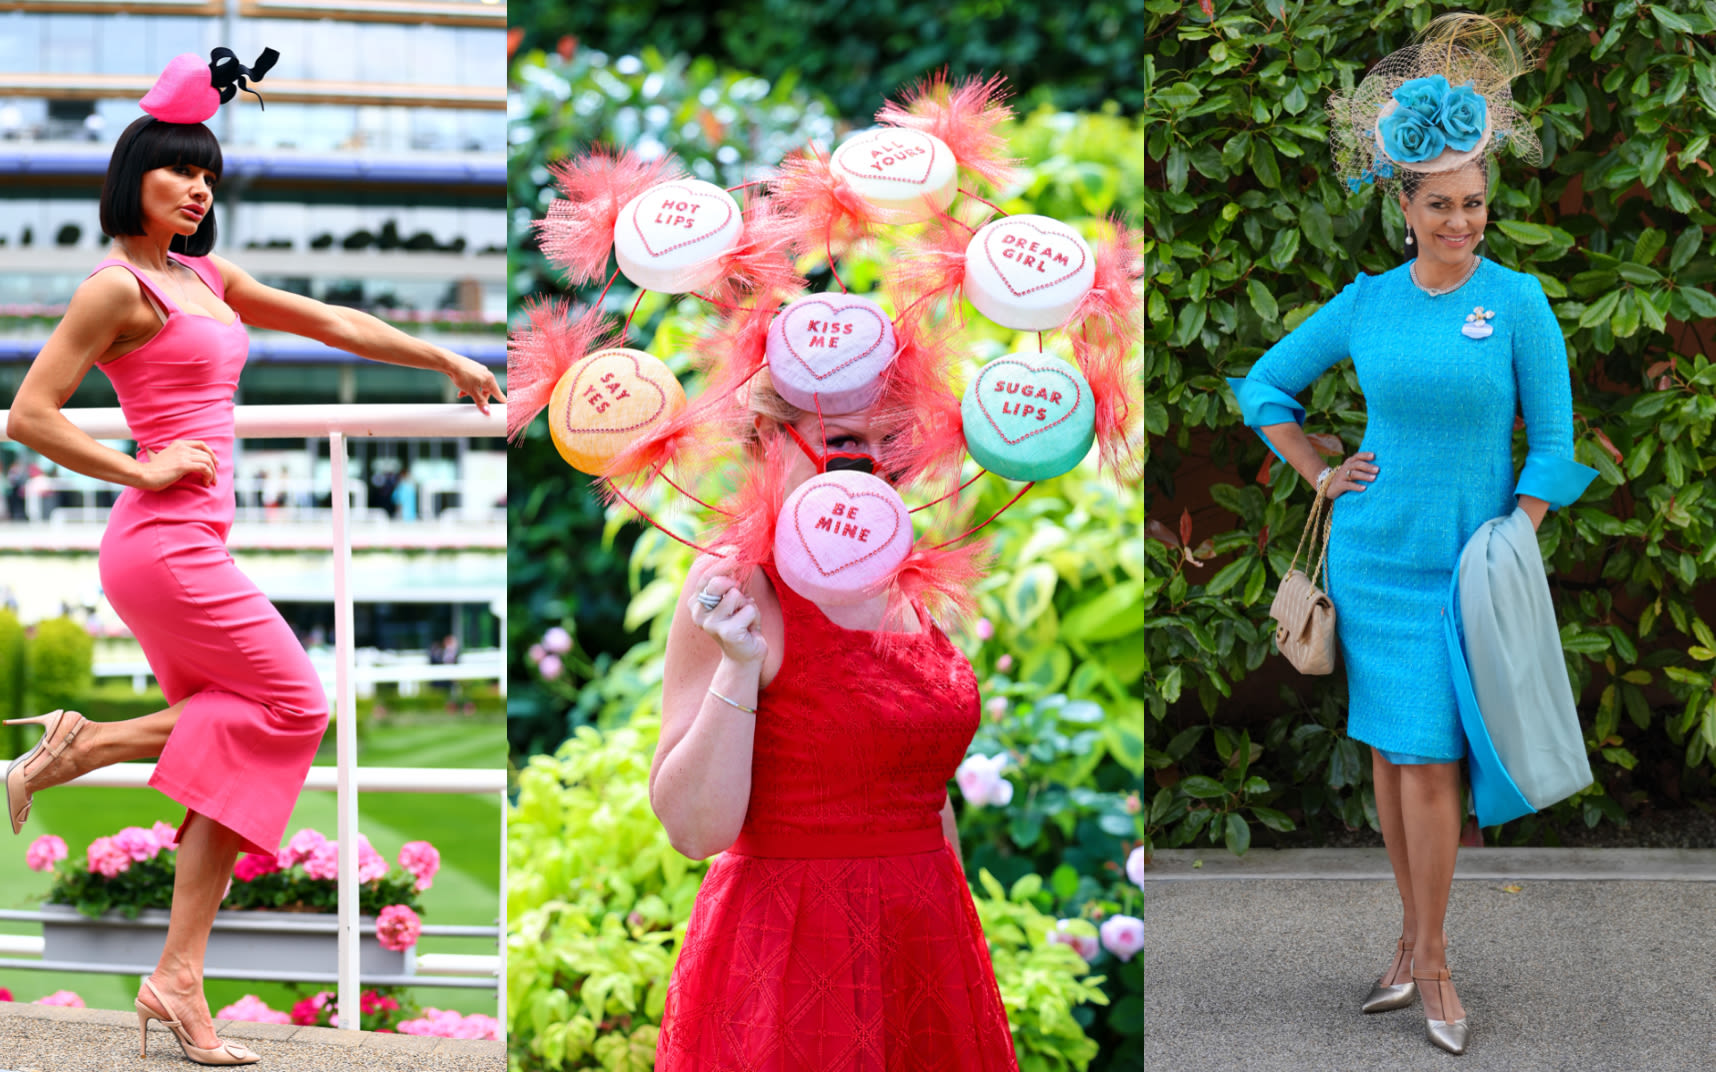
x=1304, y=614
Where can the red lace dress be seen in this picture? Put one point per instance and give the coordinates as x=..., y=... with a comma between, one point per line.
x=838, y=934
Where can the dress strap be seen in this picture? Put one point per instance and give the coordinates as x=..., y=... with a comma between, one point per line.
x=206, y=271
x=142, y=277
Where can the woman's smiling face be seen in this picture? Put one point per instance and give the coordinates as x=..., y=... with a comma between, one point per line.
x=1447, y=214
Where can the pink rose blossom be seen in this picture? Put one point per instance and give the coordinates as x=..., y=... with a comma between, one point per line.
x=107, y=859
x=985, y=629
x=549, y=667
x=137, y=843
x=557, y=640
x=535, y=653
x=252, y=866
x=1085, y=945
x=64, y=998
x=254, y=1009
x=303, y=843
x=448, y=1023
x=979, y=778
x=1135, y=866
x=166, y=836
x=1123, y=935
x=371, y=864
x=1004, y=663
x=324, y=861
x=397, y=928
x=422, y=860
x=45, y=852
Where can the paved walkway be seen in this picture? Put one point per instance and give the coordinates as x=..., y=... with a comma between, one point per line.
x=1567, y=961
x=40, y=1038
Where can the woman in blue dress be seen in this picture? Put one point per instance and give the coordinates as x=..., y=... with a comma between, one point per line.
x=1447, y=347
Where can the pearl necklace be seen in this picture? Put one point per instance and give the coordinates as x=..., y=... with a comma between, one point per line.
x=1435, y=292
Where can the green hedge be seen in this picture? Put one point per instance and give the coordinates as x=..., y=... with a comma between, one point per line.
x=1073, y=57
x=1248, y=233
x=61, y=661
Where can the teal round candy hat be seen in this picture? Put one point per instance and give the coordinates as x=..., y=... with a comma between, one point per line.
x=1028, y=416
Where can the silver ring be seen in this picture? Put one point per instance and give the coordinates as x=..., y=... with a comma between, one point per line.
x=710, y=602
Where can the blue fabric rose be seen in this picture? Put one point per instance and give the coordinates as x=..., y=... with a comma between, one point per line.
x=1423, y=95
x=1408, y=137
x=1462, y=117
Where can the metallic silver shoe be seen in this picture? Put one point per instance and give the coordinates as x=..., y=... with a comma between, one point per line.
x=1399, y=995
x=1450, y=1035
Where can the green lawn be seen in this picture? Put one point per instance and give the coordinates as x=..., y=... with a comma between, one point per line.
x=466, y=830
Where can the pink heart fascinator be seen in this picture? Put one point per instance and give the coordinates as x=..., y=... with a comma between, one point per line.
x=190, y=90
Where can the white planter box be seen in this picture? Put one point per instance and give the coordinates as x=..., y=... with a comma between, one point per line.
x=240, y=941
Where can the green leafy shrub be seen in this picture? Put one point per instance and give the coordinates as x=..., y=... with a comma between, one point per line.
x=1251, y=231
x=61, y=664
x=12, y=644
x=1075, y=58
x=1049, y=979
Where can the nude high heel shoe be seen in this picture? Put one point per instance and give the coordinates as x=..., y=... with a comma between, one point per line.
x=1398, y=995
x=52, y=744
x=1450, y=1035
x=227, y=1053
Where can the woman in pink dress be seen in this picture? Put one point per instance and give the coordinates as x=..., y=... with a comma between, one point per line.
x=165, y=321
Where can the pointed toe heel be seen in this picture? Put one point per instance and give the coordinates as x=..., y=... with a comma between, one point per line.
x=226, y=1053
x=1387, y=998
x=52, y=744
x=1450, y=1035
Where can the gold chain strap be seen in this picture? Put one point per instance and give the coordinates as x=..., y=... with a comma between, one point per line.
x=1317, y=507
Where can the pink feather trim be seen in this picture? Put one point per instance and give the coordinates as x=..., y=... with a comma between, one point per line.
x=943, y=580
x=1114, y=302
x=827, y=214
x=1105, y=329
x=762, y=261
x=578, y=232
x=747, y=535
x=931, y=266
x=964, y=116
x=917, y=414
x=537, y=356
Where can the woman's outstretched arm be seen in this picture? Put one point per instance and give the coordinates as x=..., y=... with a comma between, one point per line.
x=98, y=315
x=351, y=330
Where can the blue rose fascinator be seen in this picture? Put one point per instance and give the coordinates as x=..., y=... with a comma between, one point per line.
x=1435, y=105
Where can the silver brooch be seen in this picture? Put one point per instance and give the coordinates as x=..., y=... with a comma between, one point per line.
x=1477, y=323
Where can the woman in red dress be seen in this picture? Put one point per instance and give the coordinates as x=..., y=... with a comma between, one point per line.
x=835, y=931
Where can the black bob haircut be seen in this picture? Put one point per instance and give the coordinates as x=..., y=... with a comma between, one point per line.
x=148, y=144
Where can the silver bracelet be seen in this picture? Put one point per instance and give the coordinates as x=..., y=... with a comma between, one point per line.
x=733, y=703
x=1323, y=476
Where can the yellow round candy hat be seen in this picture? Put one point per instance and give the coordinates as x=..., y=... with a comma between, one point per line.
x=608, y=401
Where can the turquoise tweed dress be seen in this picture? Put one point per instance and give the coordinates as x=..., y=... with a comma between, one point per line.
x=1441, y=408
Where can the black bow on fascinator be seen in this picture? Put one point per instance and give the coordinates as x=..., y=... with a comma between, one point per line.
x=228, y=75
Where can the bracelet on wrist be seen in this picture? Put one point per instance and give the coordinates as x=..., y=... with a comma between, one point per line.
x=1323, y=477
x=730, y=702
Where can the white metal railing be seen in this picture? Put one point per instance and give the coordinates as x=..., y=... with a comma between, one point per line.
x=336, y=423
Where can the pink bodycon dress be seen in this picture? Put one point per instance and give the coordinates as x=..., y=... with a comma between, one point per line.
x=256, y=709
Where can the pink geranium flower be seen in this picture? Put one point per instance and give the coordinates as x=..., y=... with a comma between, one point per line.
x=422, y=860
x=252, y=866
x=447, y=1023
x=45, y=852
x=324, y=860
x=557, y=640
x=166, y=836
x=306, y=1012
x=371, y=1003
x=64, y=998
x=5, y=995
x=371, y=864
x=398, y=928
x=1123, y=935
x=107, y=859
x=254, y=1009
x=137, y=843
x=303, y=843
